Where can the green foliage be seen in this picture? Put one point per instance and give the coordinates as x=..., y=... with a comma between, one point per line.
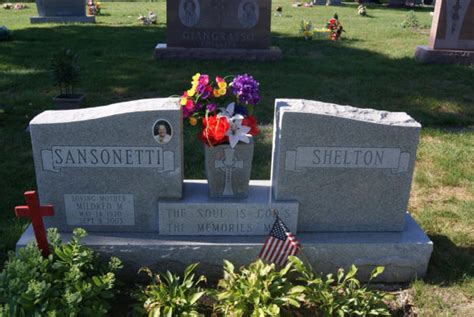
x=258, y=290
x=342, y=295
x=168, y=296
x=411, y=21
x=5, y=33
x=65, y=70
x=69, y=282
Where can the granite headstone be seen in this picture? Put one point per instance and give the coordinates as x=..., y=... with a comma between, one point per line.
x=105, y=168
x=350, y=169
x=210, y=29
x=62, y=11
x=452, y=34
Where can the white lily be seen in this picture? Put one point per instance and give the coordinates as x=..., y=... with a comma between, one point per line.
x=229, y=111
x=237, y=132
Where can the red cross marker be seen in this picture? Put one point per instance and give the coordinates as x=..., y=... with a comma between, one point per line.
x=36, y=212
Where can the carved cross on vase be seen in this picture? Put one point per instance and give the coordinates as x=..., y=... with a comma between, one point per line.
x=36, y=213
x=228, y=164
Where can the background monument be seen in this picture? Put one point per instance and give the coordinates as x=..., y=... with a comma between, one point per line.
x=452, y=34
x=218, y=29
x=62, y=11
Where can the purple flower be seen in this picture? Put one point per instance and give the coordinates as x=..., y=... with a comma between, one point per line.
x=187, y=112
x=211, y=107
x=245, y=88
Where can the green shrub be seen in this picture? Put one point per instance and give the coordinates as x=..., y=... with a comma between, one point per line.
x=258, y=290
x=65, y=70
x=71, y=281
x=411, y=21
x=167, y=295
x=341, y=295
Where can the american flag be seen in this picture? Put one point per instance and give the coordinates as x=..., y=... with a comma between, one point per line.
x=280, y=244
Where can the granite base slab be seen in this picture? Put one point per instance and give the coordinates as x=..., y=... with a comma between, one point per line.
x=162, y=51
x=63, y=19
x=405, y=254
x=428, y=55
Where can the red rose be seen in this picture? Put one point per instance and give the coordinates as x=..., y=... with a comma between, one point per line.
x=213, y=130
x=251, y=122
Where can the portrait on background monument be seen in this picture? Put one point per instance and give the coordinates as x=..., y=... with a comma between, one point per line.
x=248, y=13
x=189, y=12
x=162, y=131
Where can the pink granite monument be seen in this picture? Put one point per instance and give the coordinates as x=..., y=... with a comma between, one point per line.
x=452, y=34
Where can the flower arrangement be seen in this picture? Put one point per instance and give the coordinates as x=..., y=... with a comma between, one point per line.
x=224, y=107
x=362, y=10
x=94, y=8
x=335, y=27
x=306, y=29
x=322, y=34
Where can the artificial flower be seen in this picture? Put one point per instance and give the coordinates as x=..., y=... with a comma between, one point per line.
x=193, y=121
x=237, y=132
x=214, y=130
x=245, y=87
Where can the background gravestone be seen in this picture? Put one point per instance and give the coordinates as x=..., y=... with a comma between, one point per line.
x=452, y=34
x=350, y=169
x=105, y=168
x=210, y=29
x=62, y=11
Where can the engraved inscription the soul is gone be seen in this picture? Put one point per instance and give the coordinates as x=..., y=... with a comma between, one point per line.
x=347, y=157
x=99, y=209
x=191, y=219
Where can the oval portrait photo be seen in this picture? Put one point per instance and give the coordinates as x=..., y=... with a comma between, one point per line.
x=248, y=13
x=189, y=12
x=162, y=131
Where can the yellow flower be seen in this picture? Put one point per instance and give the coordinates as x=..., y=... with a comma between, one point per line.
x=222, y=91
x=216, y=93
x=222, y=84
x=196, y=77
x=183, y=101
x=193, y=121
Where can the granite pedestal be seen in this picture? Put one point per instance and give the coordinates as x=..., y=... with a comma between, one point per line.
x=428, y=55
x=162, y=51
x=62, y=19
x=405, y=254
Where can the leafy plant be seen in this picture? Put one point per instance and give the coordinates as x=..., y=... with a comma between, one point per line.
x=411, y=21
x=258, y=290
x=5, y=33
x=167, y=295
x=342, y=295
x=66, y=71
x=71, y=281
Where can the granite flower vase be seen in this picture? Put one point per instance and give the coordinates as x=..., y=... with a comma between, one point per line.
x=228, y=169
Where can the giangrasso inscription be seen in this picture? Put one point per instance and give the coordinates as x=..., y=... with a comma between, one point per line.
x=218, y=39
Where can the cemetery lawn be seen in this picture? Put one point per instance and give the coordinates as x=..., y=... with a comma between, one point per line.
x=371, y=67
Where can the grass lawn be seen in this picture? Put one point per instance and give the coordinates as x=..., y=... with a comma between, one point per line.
x=372, y=66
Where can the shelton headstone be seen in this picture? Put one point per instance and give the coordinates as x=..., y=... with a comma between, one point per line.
x=62, y=11
x=452, y=34
x=350, y=169
x=218, y=29
x=105, y=168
